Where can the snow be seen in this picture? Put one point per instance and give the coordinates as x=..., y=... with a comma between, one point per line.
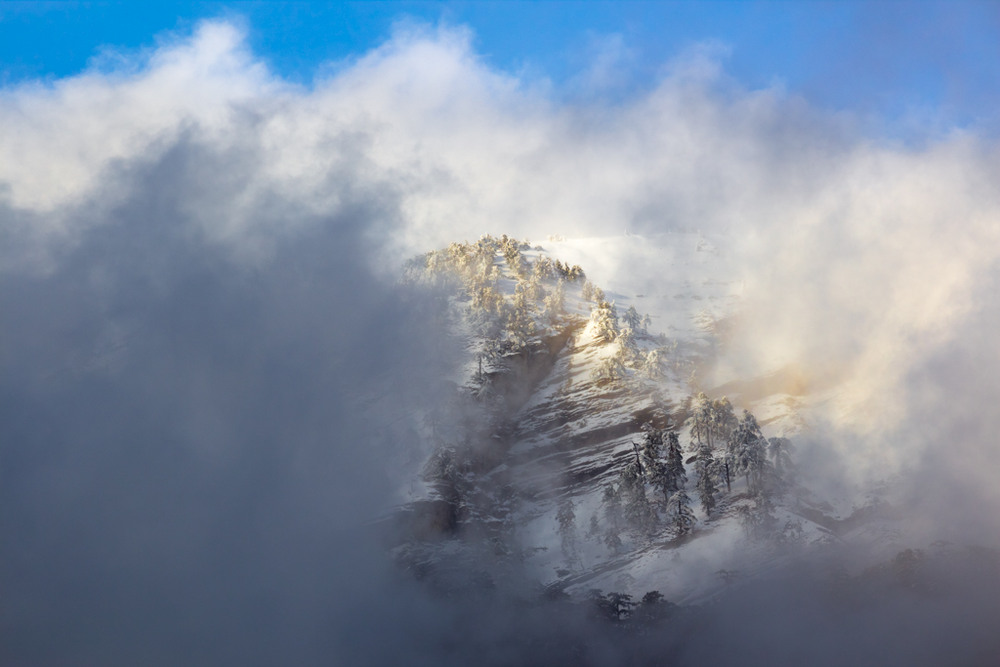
x=674, y=277
x=574, y=431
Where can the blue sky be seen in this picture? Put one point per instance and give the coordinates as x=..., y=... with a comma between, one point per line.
x=937, y=63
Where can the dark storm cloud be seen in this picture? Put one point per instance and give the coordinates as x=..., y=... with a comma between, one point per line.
x=185, y=461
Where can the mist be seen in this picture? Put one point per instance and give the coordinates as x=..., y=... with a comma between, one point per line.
x=213, y=381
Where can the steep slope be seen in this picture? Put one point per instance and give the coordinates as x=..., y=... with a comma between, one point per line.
x=562, y=385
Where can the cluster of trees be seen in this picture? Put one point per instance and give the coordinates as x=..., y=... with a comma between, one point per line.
x=622, y=608
x=456, y=475
x=724, y=449
x=727, y=447
x=656, y=463
x=508, y=323
x=627, y=355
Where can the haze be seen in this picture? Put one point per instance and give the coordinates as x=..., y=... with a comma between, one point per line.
x=202, y=323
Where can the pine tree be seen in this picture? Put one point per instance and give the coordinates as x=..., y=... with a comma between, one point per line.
x=487, y=300
x=676, y=477
x=566, y=517
x=651, y=365
x=605, y=319
x=722, y=420
x=680, y=512
x=639, y=516
x=653, y=597
x=757, y=518
x=543, y=268
x=712, y=424
x=721, y=424
x=663, y=464
x=520, y=324
x=595, y=527
x=610, y=368
x=707, y=468
x=701, y=420
x=620, y=605
x=653, y=463
x=748, y=451
x=555, y=302
x=780, y=451
x=633, y=321
x=512, y=254
x=612, y=519
x=745, y=515
x=627, y=350
x=447, y=472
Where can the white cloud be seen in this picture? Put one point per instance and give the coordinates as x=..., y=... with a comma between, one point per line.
x=861, y=257
x=188, y=247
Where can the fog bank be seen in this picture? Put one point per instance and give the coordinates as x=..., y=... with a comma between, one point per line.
x=210, y=378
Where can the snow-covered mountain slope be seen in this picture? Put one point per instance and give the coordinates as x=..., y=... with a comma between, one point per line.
x=544, y=452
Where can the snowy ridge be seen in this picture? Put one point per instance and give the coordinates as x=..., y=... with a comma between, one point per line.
x=563, y=381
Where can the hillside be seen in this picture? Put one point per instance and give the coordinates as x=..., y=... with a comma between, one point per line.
x=549, y=457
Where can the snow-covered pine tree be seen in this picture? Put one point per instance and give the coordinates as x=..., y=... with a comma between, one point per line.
x=766, y=521
x=676, y=476
x=756, y=517
x=610, y=368
x=605, y=319
x=652, y=364
x=487, y=306
x=566, y=518
x=511, y=249
x=481, y=386
x=543, y=268
x=639, y=516
x=634, y=321
x=681, y=516
x=780, y=452
x=748, y=451
x=613, y=519
x=620, y=604
x=653, y=462
x=707, y=468
x=613, y=542
x=594, y=530
x=701, y=420
x=722, y=420
x=555, y=302
x=447, y=473
x=708, y=430
x=627, y=351
x=745, y=515
x=521, y=326
x=533, y=290
x=653, y=597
